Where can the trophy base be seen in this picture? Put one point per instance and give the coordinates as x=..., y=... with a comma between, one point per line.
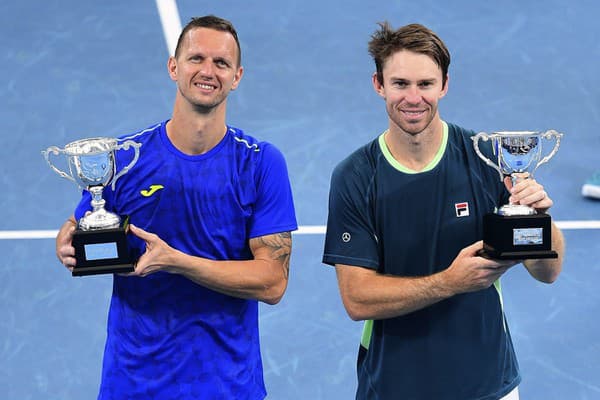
x=102, y=251
x=517, y=237
x=516, y=255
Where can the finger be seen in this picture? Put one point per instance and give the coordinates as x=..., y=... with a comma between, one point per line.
x=68, y=261
x=523, y=185
x=71, y=230
x=472, y=249
x=542, y=197
x=139, y=232
x=522, y=176
x=527, y=192
x=65, y=251
x=538, y=198
x=508, y=182
x=65, y=237
x=139, y=266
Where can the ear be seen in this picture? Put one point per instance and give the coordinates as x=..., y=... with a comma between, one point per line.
x=445, y=88
x=172, y=68
x=378, y=87
x=237, y=78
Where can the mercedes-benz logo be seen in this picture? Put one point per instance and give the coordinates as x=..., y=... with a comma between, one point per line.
x=346, y=237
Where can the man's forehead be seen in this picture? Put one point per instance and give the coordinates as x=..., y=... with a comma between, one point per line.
x=210, y=38
x=407, y=64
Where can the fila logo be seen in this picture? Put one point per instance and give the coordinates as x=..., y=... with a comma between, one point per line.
x=462, y=209
x=153, y=189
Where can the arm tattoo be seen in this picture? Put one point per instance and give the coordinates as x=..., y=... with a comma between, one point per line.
x=280, y=245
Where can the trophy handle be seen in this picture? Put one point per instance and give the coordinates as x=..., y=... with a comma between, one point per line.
x=125, y=146
x=56, y=151
x=548, y=135
x=485, y=137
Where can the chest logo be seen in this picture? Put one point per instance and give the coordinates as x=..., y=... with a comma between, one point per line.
x=153, y=189
x=462, y=209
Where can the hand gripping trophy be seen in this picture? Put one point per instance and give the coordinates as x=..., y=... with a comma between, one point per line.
x=100, y=239
x=515, y=231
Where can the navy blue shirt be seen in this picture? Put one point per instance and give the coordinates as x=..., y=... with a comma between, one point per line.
x=385, y=217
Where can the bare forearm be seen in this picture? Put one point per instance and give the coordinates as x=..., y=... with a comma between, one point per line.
x=547, y=270
x=249, y=279
x=387, y=296
x=263, y=278
x=368, y=294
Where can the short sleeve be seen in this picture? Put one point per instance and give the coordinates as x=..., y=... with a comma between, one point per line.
x=274, y=206
x=351, y=238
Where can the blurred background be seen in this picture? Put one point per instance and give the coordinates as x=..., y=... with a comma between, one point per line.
x=75, y=69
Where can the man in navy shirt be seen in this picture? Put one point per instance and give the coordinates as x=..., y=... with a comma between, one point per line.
x=404, y=229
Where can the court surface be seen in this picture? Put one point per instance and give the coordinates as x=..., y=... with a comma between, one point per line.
x=75, y=69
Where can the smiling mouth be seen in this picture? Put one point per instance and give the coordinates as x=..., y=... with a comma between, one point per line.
x=413, y=113
x=205, y=86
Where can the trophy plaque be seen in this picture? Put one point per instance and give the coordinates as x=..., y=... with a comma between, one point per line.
x=100, y=238
x=515, y=231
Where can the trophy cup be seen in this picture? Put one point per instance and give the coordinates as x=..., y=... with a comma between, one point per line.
x=515, y=231
x=100, y=238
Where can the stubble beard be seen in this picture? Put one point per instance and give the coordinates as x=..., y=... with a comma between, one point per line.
x=412, y=128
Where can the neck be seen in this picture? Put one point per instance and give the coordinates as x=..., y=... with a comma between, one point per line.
x=415, y=151
x=196, y=132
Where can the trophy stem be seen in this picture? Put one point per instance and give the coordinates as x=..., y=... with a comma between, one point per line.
x=97, y=201
x=99, y=218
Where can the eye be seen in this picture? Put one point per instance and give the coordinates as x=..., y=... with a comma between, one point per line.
x=400, y=84
x=425, y=84
x=222, y=63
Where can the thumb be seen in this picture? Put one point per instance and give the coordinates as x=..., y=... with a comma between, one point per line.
x=474, y=248
x=139, y=232
x=508, y=182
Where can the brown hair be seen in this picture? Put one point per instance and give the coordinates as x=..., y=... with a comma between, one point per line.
x=414, y=37
x=211, y=22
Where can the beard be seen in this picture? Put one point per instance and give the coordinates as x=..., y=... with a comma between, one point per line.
x=410, y=126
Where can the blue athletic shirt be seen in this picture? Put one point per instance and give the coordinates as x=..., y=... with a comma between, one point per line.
x=168, y=337
x=385, y=217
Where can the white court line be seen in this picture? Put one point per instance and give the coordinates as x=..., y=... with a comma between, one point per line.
x=302, y=230
x=171, y=23
x=578, y=224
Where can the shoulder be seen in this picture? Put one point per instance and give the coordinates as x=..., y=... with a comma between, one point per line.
x=361, y=161
x=152, y=131
x=258, y=157
x=462, y=137
x=356, y=174
x=250, y=145
x=458, y=133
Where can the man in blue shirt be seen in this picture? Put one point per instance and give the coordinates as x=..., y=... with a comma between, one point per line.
x=404, y=231
x=211, y=215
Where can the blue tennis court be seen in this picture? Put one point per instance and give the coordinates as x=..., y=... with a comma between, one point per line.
x=76, y=69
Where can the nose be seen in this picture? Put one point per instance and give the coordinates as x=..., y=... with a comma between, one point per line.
x=207, y=68
x=413, y=95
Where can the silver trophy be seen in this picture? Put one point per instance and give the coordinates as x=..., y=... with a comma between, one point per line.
x=100, y=238
x=517, y=231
